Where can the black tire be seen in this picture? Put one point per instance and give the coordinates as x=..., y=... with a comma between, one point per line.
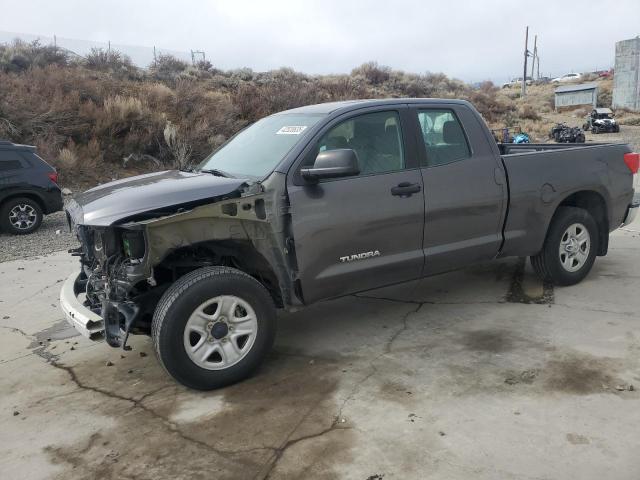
x=8, y=221
x=580, y=138
x=183, y=298
x=548, y=265
x=595, y=130
x=616, y=128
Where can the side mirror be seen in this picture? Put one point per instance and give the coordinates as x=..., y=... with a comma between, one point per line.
x=342, y=162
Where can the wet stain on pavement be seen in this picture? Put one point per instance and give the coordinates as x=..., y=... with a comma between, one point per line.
x=580, y=374
x=517, y=294
x=243, y=431
x=492, y=341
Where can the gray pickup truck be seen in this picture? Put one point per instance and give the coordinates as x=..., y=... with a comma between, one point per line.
x=323, y=201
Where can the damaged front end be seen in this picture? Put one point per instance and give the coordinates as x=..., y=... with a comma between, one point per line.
x=127, y=265
x=111, y=281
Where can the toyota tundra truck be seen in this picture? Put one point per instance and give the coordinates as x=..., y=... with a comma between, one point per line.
x=324, y=201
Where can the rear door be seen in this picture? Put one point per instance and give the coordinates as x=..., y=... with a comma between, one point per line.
x=465, y=188
x=357, y=233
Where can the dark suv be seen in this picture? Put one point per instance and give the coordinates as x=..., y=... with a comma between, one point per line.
x=28, y=189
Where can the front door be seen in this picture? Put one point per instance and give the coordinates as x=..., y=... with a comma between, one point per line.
x=357, y=233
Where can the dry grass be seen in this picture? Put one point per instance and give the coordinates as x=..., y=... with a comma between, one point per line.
x=94, y=117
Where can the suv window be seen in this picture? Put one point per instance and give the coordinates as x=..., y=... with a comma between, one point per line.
x=9, y=160
x=443, y=137
x=375, y=137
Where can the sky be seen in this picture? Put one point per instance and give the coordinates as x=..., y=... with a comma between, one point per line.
x=469, y=40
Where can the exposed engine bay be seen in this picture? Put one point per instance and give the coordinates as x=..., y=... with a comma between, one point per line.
x=127, y=266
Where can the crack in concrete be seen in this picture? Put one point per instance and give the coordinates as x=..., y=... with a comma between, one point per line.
x=335, y=425
x=17, y=330
x=595, y=310
x=137, y=404
x=280, y=451
x=402, y=329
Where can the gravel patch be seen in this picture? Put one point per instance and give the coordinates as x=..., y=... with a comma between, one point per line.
x=52, y=236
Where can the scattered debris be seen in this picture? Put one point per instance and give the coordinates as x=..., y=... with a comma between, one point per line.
x=311, y=362
x=72, y=347
x=58, y=232
x=16, y=413
x=66, y=191
x=441, y=433
x=527, y=376
x=624, y=388
x=376, y=476
x=6, y=317
x=143, y=354
x=109, y=363
x=129, y=371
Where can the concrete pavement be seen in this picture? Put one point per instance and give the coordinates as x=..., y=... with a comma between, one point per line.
x=483, y=373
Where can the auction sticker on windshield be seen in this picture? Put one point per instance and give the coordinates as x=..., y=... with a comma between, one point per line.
x=294, y=130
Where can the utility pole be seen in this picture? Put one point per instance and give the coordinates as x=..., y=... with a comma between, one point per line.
x=526, y=56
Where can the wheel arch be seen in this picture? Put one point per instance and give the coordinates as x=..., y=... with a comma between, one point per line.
x=239, y=254
x=594, y=203
x=24, y=194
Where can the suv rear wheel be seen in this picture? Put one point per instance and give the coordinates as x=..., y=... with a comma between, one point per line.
x=20, y=216
x=569, y=249
x=213, y=327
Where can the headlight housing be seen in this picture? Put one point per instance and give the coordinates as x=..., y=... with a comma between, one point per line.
x=133, y=244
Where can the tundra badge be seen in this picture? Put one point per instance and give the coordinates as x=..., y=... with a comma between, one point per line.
x=360, y=256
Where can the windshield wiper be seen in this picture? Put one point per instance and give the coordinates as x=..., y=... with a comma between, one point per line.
x=216, y=172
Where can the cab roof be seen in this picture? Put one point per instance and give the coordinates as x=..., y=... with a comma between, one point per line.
x=348, y=105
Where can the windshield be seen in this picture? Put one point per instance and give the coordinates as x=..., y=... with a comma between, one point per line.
x=258, y=149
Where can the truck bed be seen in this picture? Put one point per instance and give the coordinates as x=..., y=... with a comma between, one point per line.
x=540, y=176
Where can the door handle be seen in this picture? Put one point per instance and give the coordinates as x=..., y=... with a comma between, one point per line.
x=405, y=189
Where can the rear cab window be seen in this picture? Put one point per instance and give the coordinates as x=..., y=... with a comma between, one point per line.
x=443, y=136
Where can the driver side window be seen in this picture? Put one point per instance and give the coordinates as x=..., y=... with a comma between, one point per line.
x=375, y=137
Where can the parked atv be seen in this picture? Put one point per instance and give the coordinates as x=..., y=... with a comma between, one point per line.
x=601, y=121
x=562, y=133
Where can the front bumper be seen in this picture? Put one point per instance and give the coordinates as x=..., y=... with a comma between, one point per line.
x=89, y=324
x=632, y=211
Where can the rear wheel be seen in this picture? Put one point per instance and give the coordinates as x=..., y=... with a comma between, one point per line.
x=20, y=216
x=569, y=249
x=213, y=327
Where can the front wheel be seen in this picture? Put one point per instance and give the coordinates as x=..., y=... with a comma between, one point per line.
x=213, y=327
x=569, y=249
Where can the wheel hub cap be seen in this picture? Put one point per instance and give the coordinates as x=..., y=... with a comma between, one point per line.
x=219, y=330
x=22, y=216
x=575, y=244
